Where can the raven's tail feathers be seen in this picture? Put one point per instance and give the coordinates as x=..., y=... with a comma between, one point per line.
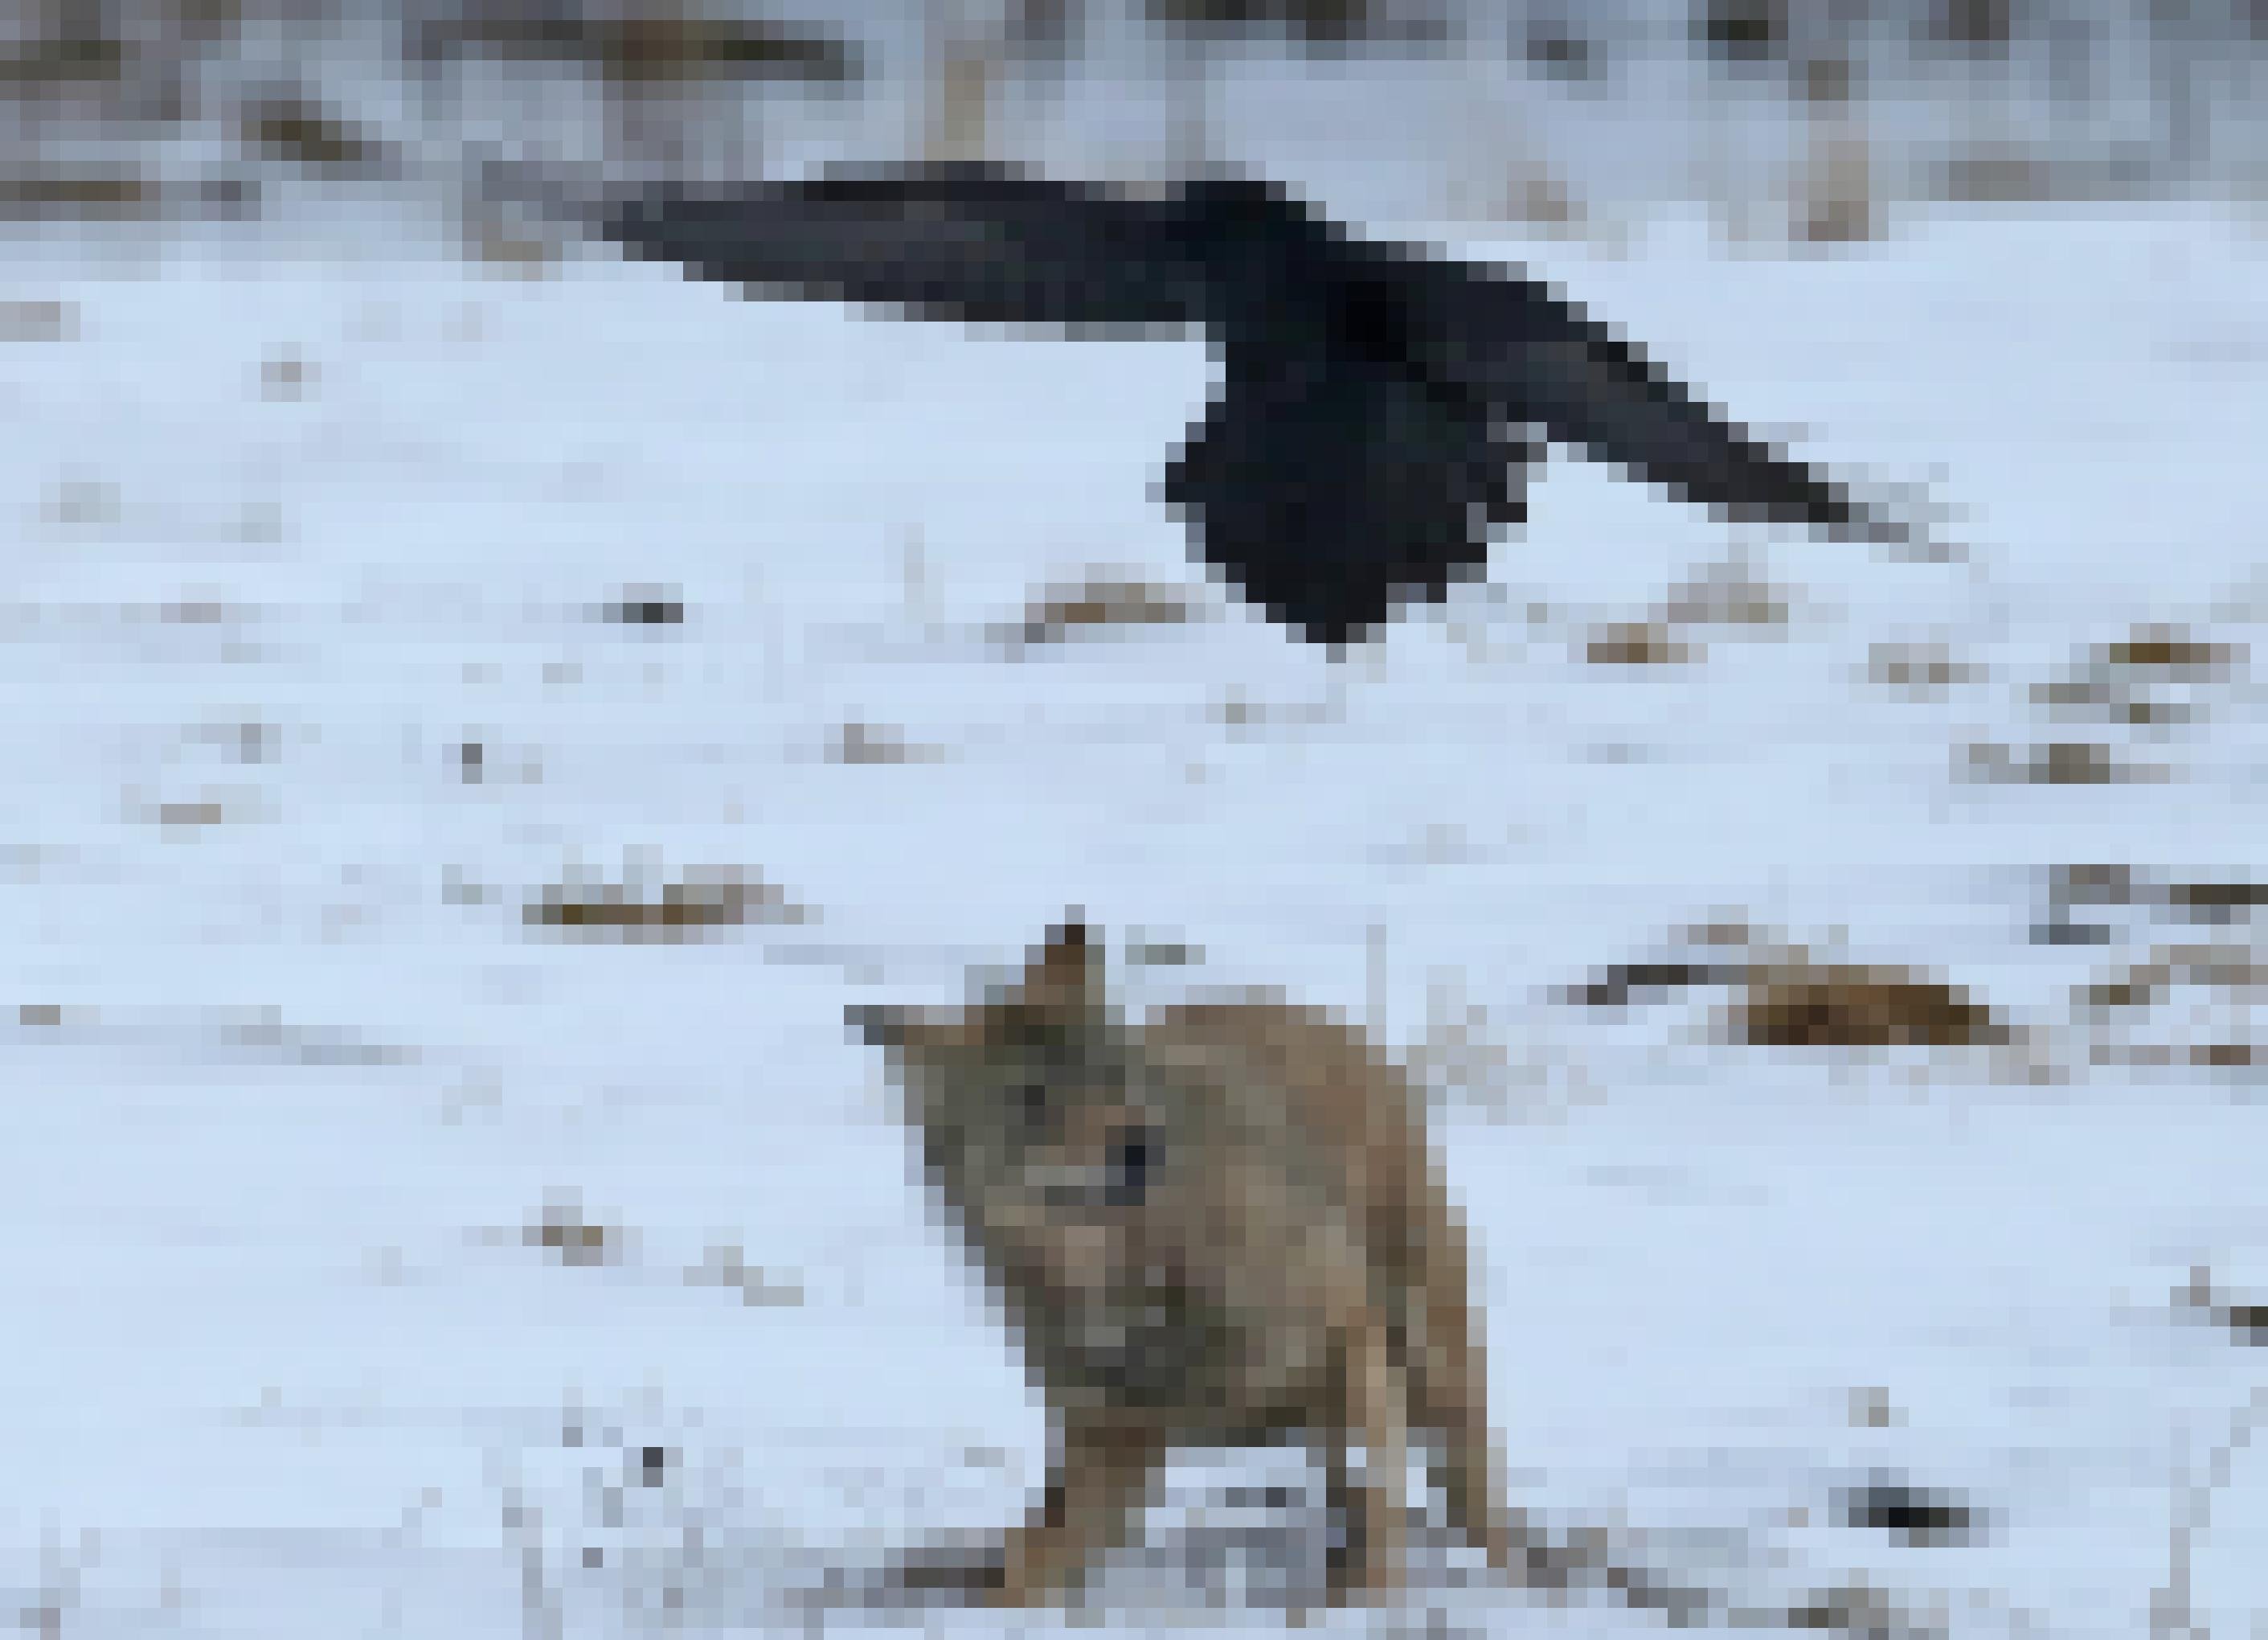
x=1330, y=506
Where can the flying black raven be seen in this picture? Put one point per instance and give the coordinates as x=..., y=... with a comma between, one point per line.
x=1381, y=405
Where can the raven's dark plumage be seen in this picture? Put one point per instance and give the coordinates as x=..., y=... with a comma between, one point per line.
x=1378, y=405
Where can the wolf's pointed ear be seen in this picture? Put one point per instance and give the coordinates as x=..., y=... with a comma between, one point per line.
x=1067, y=971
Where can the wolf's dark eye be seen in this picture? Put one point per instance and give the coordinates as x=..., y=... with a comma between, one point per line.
x=1134, y=1157
x=1029, y=1100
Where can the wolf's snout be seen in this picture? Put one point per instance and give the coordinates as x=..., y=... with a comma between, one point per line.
x=876, y=1024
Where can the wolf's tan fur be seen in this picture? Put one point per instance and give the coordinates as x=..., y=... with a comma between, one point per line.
x=1221, y=1225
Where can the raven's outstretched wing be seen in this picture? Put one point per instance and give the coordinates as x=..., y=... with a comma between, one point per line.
x=1539, y=358
x=973, y=243
x=1356, y=455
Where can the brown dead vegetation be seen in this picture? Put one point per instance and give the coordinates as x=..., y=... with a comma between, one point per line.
x=1099, y=603
x=648, y=46
x=705, y=903
x=1786, y=1000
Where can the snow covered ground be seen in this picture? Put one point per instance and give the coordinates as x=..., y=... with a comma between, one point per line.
x=374, y=1259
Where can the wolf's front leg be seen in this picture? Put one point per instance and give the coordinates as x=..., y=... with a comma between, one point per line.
x=1467, y=1465
x=1094, y=1503
x=1376, y=1415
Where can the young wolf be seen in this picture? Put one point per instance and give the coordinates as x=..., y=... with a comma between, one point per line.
x=1220, y=1226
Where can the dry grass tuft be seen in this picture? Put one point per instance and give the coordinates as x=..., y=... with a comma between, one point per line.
x=704, y=903
x=1099, y=603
